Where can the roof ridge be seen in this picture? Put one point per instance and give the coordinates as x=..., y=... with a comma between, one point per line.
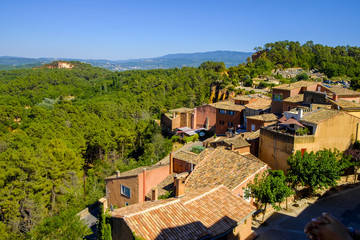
x=253, y=133
x=153, y=208
x=201, y=163
x=200, y=196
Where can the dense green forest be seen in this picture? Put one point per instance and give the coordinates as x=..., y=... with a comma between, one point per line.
x=62, y=131
x=332, y=61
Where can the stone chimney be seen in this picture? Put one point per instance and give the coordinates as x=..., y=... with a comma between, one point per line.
x=335, y=97
x=232, y=147
x=179, y=184
x=171, y=162
x=154, y=194
x=173, y=115
x=117, y=173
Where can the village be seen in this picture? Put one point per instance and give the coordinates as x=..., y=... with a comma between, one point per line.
x=191, y=195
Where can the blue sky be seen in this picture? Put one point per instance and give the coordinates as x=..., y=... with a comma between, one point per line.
x=117, y=29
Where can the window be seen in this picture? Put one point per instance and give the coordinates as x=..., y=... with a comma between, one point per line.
x=278, y=97
x=252, y=127
x=222, y=111
x=126, y=204
x=230, y=124
x=125, y=191
x=221, y=122
x=231, y=113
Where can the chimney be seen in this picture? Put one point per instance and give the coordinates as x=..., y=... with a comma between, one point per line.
x=180, y=187
x=144, y=183
x=117, y=173
x=335, y=97
x=207, y=123
x=179, y=184
x=193, y=122
x=300, y=114
x=173, y=115
x=171, y=162
x=232, y=147
x=154, y=194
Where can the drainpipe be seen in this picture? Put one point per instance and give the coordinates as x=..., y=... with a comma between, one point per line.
x=144, y=183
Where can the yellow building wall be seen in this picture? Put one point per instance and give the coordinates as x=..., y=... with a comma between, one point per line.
x=356, y=114
x=275, y=148
x=338, y=132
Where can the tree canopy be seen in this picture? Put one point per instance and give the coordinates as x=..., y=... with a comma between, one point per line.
x=270, y=188
x=317, y=170
x=63, y=130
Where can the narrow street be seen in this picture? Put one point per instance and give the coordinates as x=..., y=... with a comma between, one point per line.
x=290, y=224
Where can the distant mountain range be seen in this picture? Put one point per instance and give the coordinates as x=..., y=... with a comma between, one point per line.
x=230, y=58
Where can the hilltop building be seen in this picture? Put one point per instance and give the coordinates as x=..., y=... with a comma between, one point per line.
x=279, y=141
x=288, y=96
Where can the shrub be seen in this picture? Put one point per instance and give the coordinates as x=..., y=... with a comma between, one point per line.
x=302, y=131
x=175, y=138
x=263, y=84
x=248, y=83
x=197, y=149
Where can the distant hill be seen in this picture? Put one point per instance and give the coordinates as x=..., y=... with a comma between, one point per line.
x=230, y=58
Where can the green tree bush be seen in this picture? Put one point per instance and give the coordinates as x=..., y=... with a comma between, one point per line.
x=317, y=170
x=270, y=188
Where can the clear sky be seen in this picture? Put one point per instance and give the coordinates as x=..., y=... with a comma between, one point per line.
x=118, y=29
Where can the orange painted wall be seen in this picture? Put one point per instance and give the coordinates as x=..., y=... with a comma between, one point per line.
x=113, y=191
x=202, y=112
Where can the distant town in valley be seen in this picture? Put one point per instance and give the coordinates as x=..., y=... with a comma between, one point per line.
x=214, y=145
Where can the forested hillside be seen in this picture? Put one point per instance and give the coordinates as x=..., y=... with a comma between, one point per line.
x=333, y=61
x=63, y=130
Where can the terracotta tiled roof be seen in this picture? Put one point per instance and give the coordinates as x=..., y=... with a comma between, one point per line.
x=295, y=99
x=180, y=110
x=219, y=209
x=269, y=117
x=204, y=212
x=320, y=115
x=292, y=121
x=228, y=105
x=185, y=156
x=238, y=142
x=169, y=220
x=295, y=85
x=260, y=103
x=136, y=171
x=341, y=91
x=347, y=104
x=223, y=167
